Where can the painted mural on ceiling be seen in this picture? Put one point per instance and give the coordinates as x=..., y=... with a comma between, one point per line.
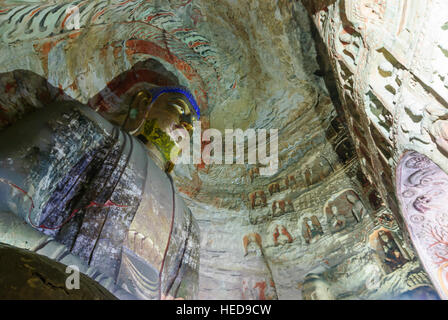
x=113, y=36
x=318, y=228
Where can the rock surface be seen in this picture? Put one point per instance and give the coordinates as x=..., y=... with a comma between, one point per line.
x=317, y=228
x=390, y=62
x=29, y=276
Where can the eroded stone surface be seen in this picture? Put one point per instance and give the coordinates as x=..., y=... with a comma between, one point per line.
x=390, y=62
x=34, y=277
x=422, y=187
x=317, y=229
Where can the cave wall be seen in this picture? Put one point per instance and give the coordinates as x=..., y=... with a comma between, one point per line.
x=34, y=277
x=250, y=64
x=269, y=48
x=390, y=60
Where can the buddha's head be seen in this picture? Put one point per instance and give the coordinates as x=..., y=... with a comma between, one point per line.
x=154, y=115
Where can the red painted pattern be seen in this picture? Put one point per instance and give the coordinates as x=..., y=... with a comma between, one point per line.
x=149, y=18
x=197, y=44
x=123, y=3
x=34, y=12
x=146, y=47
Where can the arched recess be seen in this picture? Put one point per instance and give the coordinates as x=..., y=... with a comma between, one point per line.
x=422, y=189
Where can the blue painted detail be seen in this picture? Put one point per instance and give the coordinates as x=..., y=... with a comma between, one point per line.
x=159, y=91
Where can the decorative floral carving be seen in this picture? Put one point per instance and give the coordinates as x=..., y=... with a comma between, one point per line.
x=422, y=187
x=417, y=161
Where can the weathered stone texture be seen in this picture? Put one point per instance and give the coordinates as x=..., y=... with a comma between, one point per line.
x=390, y=61
x=29, y=276
x=318, y=228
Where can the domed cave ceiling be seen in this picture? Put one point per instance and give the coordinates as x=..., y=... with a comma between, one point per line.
x=320, y=227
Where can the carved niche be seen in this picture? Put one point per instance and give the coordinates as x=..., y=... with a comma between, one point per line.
x=346, y=208
x=311, y=229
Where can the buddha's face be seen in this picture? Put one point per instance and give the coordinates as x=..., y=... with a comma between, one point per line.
x=155, y=121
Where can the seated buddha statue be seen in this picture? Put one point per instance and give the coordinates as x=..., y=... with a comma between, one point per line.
x=98, y=195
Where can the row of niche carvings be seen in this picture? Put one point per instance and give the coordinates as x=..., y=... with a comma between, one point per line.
x=343, y=213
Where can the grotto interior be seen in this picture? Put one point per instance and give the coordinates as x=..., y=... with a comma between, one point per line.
x=353, y=94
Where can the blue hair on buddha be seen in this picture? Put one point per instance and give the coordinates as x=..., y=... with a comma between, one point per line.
x=159, y=91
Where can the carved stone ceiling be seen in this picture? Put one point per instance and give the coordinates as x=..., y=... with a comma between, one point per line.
x=250, y=64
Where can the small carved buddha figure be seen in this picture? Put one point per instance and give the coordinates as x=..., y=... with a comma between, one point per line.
x=311, y=230
x=282, y=232
x=274, y=207
x=393, y=256
x=252, y=238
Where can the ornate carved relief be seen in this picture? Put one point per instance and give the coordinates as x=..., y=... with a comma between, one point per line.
x=367, y=11
x=346, y=208
x=389, y=250
x=349, y=45
x=422, y=188
x=311, y=229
